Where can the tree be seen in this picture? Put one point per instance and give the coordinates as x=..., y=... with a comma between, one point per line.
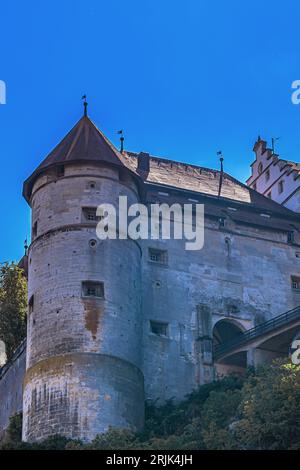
x=270, y=411
x=13, y=306
x=219, y=412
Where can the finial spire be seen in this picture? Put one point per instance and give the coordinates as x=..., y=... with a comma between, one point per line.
x=221, y=172
x=121, y=140
x=25, y=247
x=85, y=105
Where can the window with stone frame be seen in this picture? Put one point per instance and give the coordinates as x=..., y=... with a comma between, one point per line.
x=89, y=214
x=93, y=289
x=158, y=256
x=159, y=328
x=295, y=282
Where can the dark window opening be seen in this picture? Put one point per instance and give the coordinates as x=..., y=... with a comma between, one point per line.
x=158, y=256
x=280, y=187
x=159, y=328
x=31, y=304
x=221, y=222
x=295, y=282
x=60, y=171
x=34, y=230
x=93, y=289
x=90, y=214
x=290, y=237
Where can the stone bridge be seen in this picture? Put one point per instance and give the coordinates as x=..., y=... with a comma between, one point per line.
x=259, y=345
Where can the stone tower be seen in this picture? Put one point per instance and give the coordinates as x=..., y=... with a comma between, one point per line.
x=83, y=367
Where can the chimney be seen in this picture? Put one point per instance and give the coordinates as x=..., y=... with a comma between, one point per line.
x=144, y=162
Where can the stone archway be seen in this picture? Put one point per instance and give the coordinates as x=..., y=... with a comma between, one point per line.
x=224, y=331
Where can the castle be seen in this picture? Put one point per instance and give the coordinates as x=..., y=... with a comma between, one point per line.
x=112, y=323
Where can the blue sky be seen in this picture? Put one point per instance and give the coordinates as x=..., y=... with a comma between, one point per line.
x=183, y=79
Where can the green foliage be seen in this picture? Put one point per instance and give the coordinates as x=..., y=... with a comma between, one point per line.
x=218, y=413
x=270, y=409
x=261, y=411
x=13, y=306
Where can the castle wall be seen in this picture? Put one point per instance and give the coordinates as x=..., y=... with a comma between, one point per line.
x=247, y=280
x=11, y=384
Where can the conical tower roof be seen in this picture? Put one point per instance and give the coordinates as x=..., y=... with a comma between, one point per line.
x=85, y=142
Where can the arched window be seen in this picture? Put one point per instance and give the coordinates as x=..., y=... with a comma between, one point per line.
x=260, y=168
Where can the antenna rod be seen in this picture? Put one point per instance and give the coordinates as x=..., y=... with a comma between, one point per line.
x=221, y=173
x=273, y=143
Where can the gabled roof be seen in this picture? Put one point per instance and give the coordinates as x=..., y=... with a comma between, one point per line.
x=85, y=142
x=204, y=181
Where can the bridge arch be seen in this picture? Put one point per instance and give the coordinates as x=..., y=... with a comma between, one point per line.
x=224, y=331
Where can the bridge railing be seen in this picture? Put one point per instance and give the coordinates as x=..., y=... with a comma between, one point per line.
x=257, y=331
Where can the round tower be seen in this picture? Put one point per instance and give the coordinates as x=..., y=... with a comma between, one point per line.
x=83, y=370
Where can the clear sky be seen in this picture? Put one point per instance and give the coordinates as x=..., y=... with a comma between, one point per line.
x=184, y=79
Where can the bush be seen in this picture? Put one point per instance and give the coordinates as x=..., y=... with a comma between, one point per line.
x=261, y=411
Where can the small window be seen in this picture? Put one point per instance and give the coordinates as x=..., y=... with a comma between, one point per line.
x=92, y=185
x=260, y=168
x=90, y=214
x=290, y=237
x=281, y=187
x=269, y=195
x=254, y=186
x=221, y=222
x=34, y=230
x=267, y=175
x=295, y=282
x=297, y=254
x=31, y=304
x=158, y=256
x=60, y=171
x=158, y=328
x=93, y=289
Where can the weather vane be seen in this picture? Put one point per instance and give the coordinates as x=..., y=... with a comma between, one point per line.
x=85, y=104
x=121, y=140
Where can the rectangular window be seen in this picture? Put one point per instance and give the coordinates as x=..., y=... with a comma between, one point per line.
x=31, y=304
x=290, y=237
x=221, y=222
x=158, y=256
x=159, y=328
x=60, y=171
x=267, y=175
x=34, y=230
x=90, y=214
x=295, y=283
x=93, y=289
x=280, y=186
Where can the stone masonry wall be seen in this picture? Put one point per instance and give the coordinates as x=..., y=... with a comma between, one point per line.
x=11, y=384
